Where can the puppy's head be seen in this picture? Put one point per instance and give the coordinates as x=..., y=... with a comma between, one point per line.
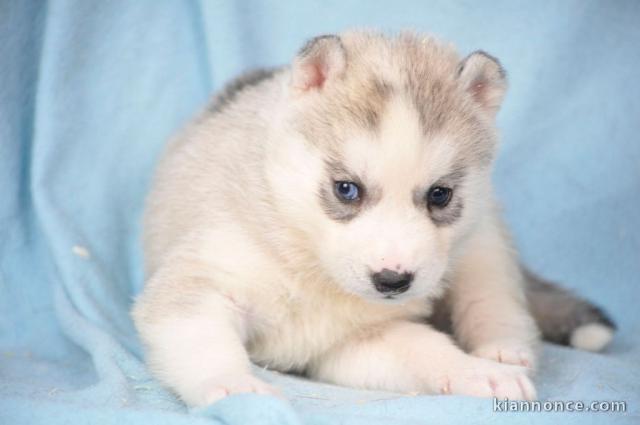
x=384, y=160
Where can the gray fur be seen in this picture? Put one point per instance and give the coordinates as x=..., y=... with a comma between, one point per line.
x=229, y=93
x=372, y=113
x=557, y=311
x=448, y=215
x=311, y=45
x=501, y=70
x=337, y=209
x=453, y=211
x=356, y=106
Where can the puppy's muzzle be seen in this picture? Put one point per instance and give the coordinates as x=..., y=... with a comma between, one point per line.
x=390, y=282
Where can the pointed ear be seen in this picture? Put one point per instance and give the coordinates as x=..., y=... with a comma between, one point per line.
x=484, y=79
x=321, y=60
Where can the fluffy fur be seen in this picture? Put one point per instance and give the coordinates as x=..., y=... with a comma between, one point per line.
x=251, y=257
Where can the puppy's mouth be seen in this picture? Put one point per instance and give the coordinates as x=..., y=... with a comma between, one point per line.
x=395, y=298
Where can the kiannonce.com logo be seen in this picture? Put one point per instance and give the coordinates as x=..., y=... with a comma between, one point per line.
x=507, y=405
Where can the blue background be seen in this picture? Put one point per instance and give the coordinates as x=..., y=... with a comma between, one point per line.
x=90, y=92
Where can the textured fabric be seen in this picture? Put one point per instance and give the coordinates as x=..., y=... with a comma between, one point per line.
x=91, y=90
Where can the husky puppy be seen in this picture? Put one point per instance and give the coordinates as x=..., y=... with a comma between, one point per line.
x=312, y=216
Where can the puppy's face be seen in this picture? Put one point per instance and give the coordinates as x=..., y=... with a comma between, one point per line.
x=394, y=170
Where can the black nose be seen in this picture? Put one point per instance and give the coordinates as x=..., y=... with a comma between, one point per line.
x=387, y=281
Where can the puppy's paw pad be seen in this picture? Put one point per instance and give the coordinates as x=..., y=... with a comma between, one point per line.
x=222, y=386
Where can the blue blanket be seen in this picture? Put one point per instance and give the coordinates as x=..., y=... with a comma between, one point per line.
x=90, y=92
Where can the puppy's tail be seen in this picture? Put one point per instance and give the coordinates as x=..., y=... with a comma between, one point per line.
x=565, y=318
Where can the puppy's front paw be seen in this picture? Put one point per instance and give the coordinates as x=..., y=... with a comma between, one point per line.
x=507, y=352
x=484, y=378
x=222, y=386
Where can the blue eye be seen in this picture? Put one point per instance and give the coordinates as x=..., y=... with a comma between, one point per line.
x=347, y=191
x=439, y=196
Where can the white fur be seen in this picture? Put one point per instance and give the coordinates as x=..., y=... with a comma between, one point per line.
x=244, y=265
x=591, y=337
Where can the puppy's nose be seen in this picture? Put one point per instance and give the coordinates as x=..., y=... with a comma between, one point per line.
x=388, y=281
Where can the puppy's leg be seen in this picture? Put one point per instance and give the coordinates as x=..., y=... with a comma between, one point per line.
x=412, y=357
x=194, y=337
x=489, y=312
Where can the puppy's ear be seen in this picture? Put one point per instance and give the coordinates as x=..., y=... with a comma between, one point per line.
x=484, y=79
x=320, y=61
